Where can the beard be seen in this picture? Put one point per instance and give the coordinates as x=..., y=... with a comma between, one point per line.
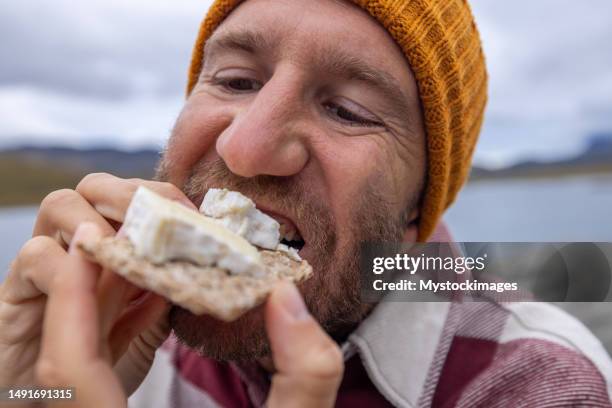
x=332, y=294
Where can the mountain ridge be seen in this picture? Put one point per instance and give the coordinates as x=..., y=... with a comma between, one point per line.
x=29, y=173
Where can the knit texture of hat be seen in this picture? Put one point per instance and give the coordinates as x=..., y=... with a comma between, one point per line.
x=441, y=43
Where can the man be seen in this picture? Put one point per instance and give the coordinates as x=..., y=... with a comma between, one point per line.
x=348, y=122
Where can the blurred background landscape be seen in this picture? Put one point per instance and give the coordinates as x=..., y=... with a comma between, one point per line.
x=96, y=85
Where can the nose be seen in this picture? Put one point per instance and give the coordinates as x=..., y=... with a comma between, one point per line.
x=264, y=138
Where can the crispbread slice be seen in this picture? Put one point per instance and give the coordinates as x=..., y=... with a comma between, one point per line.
x=201, y=290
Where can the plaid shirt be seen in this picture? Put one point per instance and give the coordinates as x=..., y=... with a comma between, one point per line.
x=441, y=354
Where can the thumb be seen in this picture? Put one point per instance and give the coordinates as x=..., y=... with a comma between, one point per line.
x=308, y=362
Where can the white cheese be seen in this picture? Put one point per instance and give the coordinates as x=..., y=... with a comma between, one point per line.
x=238, y=213
x=164, y=230
x=290, y=251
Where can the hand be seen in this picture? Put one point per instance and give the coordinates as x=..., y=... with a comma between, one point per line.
x=308, y=363
x=77, y=341
x=100, y=199
x=76, y=349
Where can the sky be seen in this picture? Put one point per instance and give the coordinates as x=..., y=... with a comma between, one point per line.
x=112, y=72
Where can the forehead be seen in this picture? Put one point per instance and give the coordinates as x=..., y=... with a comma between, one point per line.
x=303, y=30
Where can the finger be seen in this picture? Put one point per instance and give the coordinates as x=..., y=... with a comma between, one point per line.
x=22, y=305
x=139, y=345
x=308, y=362
x=115, y=297
x=71, y=349
x=150, y=310
x=62, y=211
x=114, y=294
x=111, y=195
x=71, y=329
x=38, y=261
x=167, y=190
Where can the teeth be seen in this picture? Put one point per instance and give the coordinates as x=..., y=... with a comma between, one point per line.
x=289, y=236
x=289, y=233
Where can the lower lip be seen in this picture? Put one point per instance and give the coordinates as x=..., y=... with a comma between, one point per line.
x=304, y=253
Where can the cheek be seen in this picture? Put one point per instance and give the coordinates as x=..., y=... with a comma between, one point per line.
x=348, y=166
x=194, y=136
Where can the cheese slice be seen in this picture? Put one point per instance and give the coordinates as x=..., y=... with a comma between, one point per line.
x=291, y=252
x=237, y=212
x=163, y=230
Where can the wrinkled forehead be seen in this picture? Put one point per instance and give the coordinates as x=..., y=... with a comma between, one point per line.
x=310, y=31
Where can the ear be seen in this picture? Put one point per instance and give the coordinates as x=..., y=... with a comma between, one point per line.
x=412, y=230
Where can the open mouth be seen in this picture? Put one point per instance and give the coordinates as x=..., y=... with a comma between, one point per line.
x=291, y=237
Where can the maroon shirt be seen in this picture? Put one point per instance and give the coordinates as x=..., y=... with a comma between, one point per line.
x=228, y=384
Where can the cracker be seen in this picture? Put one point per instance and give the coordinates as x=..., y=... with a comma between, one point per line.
x=199, y=289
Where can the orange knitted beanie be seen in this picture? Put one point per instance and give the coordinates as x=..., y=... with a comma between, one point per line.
x=441, y=43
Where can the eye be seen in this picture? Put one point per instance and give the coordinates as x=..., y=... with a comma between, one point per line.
x=345, y=115
x=238, y=85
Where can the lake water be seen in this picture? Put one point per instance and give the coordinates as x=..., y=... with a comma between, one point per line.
x=15, y=228
x=570, y=209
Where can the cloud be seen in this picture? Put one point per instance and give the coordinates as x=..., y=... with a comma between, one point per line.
x=550, y=76
x=37, y=116
x=94, y=72
x=96, y=48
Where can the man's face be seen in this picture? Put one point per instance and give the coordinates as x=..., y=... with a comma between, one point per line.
x=310, y=109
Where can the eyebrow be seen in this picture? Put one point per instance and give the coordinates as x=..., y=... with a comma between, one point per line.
x=243, y=40
x=332, y=61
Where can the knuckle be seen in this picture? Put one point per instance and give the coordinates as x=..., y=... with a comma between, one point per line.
x=35, y=248
x=58, y=198
x=59, y=282
x=92, y=179
x=326, y=361
x=167, y=189
x=48, y=374
x=3, y=299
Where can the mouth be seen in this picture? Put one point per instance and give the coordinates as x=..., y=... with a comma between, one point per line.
x=289, y=233
x=291, y=237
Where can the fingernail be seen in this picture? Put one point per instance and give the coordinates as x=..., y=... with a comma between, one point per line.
x=292, y=302
x=80, y=232
x=83, y=230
